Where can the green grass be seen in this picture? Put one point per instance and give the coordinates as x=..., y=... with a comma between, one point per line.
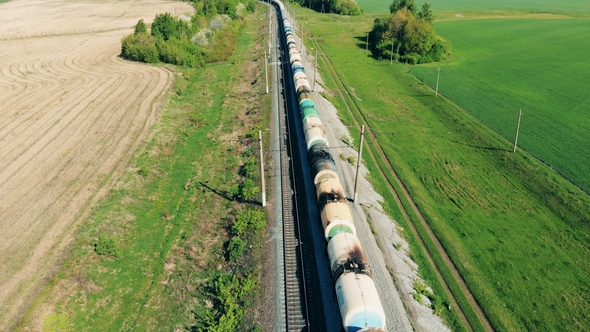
x=501, y=65
x=146, y=258
x=574, y=7
x=518, y=232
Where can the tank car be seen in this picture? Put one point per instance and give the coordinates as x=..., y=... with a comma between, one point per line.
x=358, y=300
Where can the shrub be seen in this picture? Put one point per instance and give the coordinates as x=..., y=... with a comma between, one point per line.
x=249, y=219
x=179, y=52
x=202, y=37
x=248, y=190
x=106, y=247
x=249, y=169
x=140, y=27
x=236, y=248
x=140, y=47
x=219, y=22
x=165, y=27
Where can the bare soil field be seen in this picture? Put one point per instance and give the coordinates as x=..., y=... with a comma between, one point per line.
x=71, y=115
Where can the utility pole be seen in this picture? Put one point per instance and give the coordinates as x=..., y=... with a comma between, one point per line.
x=358, y=166
x=437, y=77
x=315, y=69
x=391, y=56
x=517, y=129
x=262, y=170
x=266, y=71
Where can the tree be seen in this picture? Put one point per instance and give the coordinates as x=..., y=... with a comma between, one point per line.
x=140, y=27
x=419, y=37
x=165, y=27
x=426, y=13
x=400, y=4
x=407, y=38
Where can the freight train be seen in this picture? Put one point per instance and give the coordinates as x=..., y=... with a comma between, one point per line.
x=358, y=300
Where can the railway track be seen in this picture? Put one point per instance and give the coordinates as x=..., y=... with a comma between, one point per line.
x=385, y=167
x=301, y=307
x=296, y=306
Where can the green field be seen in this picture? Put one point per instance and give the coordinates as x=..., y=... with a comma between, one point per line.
x=569, y=7
x=541, y=66
x=518, y=232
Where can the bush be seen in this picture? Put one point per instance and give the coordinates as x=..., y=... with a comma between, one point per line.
x=236, y=248
x=248, y=190
x=346, y=7
x=140, y=47
x=249, y=219
x=219, y=22
x=106, y=247
x=179, y=52
x=140, y=28
x=165, y=27
x=202, y=37
x=249, y=169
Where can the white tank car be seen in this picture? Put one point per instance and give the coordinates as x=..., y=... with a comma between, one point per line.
x=314, y=131
x=358, y=300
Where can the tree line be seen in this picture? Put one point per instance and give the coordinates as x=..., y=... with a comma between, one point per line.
x=407, y=35
x=183, y=41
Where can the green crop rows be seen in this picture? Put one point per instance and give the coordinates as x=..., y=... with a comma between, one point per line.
x=462, y=6
x=541, y=66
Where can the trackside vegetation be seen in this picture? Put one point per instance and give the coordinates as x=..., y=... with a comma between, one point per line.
x=518, y=233
x=186, y=41
x=171, y=247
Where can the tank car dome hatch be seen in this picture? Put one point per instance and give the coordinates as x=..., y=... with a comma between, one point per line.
x=345, y=247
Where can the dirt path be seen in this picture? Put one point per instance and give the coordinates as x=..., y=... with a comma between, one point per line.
x=71, y=114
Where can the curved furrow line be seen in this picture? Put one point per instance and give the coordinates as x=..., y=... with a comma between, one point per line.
x=68, y=76
x=112, y=122
x=39, y=120
x=49, y=128
x=111, y=101
x=139, y=126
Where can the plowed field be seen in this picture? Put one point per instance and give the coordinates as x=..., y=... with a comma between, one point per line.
x=71, y=115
